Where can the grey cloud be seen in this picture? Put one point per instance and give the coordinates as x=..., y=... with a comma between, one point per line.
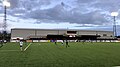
x=108, y=5
x=1, y=10
x=28, y=4
x=14, y=3
x=95, y=12
x=25, y=6
x=52, y=13
x=59, y=13
x=84, y=1
x=0, y=25
x=84, y=11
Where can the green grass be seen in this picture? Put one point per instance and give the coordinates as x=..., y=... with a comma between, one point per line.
x=50, y=55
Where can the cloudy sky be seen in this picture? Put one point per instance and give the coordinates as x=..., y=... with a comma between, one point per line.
x=63, y=14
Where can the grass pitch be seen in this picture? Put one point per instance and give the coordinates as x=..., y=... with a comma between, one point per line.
x=51, y=55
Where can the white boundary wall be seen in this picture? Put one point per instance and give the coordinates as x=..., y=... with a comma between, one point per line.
x=70, y=41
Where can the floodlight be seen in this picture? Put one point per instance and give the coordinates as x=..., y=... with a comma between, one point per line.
x=6, y=3
x=114, y=14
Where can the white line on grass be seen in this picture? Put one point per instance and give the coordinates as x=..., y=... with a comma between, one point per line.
x=27, y=47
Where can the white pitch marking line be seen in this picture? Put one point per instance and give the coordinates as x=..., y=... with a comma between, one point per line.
x=27, y=47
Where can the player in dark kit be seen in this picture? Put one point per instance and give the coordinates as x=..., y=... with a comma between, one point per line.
x=55, y=42
x=1, y=43
x=67, y=44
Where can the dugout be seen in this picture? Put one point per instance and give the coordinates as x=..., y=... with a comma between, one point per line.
x=82, y=37
x=55, y=37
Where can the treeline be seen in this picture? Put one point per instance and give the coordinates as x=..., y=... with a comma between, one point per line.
x=5, y=36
